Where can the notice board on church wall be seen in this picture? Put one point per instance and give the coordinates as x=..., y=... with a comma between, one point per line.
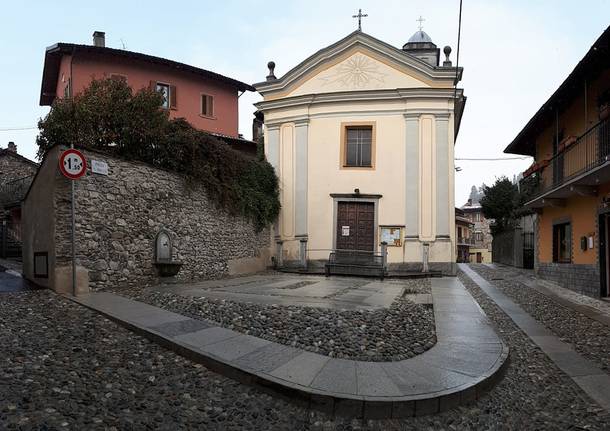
x=392, y=235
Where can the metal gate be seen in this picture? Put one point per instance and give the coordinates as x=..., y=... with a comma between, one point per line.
x=10, y=239
x=528, y=250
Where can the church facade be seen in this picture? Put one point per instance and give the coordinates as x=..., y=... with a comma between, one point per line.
x=361, y=135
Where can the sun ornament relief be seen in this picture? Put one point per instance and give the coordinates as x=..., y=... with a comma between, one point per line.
x=358, y=71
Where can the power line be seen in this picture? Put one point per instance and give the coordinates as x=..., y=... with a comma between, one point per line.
x=11, y=129
x=492, y=159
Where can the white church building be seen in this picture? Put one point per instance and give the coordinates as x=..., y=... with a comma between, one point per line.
x=361, y=135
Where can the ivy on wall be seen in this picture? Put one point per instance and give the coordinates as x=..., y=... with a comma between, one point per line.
x=107, y=116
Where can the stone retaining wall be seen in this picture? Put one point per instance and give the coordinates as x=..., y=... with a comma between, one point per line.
x=583, y=279
x=120, y=215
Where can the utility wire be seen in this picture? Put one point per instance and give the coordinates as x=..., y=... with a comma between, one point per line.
x=11, y=129
x=492, y=159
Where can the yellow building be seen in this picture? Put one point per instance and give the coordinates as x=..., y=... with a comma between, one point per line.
x=480, y=250
x=569, y=137
x=361, y=135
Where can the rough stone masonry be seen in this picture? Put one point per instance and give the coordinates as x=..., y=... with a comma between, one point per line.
x=118, y=217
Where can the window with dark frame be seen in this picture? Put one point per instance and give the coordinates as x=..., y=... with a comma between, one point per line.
x=562, y=243
x=68, y=89
x=207, y=105
x=41, y=264
x=358, y=146
x=164, y=90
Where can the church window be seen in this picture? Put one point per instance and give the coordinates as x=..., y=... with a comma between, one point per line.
x=358, y=146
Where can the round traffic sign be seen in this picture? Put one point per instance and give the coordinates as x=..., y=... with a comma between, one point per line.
x=72, y=164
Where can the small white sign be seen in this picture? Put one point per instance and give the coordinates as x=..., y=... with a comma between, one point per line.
x=99, y=167
x=345, y=230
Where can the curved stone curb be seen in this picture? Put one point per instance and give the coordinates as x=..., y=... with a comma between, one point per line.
x=466, y=361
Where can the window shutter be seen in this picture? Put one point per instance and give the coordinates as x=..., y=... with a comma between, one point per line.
x=172, y=97
x=152, y=85
x=211, y=106
x=204, y=104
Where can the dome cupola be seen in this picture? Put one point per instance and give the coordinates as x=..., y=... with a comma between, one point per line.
x=420, y=45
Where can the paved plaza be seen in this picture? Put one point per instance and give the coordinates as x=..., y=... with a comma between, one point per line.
x=305, y=291
x=65, y=366
x=464, y=362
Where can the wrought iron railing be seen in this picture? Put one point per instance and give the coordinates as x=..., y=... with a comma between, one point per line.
x=574, y=157
x=14, y=191
x=355, y=257
x=465, y=241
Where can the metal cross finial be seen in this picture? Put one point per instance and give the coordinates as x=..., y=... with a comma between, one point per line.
x=360, y=16
x=420, y=19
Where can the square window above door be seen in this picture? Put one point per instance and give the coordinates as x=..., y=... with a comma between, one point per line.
x=358, y=146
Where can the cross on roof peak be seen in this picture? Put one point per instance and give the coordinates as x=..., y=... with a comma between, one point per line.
x=360, y=16
x=421, y=20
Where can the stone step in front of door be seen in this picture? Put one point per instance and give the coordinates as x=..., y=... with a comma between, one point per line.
x=466, y=361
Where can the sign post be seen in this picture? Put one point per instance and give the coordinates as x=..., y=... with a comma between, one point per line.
x=73, y=165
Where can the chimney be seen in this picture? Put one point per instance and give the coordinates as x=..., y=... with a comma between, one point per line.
x=12, y=147
x=99, y=39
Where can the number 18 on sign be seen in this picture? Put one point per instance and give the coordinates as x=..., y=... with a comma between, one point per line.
x=73, y=165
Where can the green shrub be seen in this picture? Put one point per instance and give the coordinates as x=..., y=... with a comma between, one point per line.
x=109, y=117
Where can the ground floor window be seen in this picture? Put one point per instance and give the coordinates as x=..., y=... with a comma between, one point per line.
x=562, y=243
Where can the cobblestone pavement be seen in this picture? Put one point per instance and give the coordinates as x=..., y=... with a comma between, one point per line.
x=575, y=297
x=65, y=367
x=589, y=337
x=399, y=332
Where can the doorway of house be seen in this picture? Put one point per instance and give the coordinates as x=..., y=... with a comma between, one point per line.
x=355, y=226
x=479, y=257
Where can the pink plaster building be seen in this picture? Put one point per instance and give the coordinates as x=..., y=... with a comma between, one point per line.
x=207, y=100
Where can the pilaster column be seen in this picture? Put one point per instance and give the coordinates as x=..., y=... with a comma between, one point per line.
x=273, y=146
x=300, y=187
x=273, y=157
x=412, y=177
x=442, y=176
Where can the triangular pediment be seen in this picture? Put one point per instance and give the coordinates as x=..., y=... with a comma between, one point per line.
x=358, y=70
x=357, y=62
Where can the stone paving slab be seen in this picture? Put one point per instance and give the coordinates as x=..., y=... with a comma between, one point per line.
x=302, y=369
x=337, y=293
x=172, y=329
x=269, y=357
x=235, y=347
x=207, y=336
x=466, y=360
x=592, y=380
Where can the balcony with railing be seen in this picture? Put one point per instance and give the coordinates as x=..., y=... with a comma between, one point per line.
x=12, y=192
x=465, y=241
x=580, y=165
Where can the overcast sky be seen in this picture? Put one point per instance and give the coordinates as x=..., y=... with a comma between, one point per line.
x=514, y=53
